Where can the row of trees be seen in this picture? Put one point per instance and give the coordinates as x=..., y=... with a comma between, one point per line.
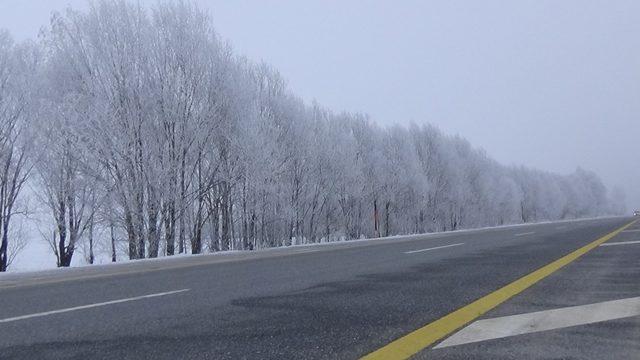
x=140, y=127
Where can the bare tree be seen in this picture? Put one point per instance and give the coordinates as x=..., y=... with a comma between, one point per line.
x=156, y=133
x=17, y=65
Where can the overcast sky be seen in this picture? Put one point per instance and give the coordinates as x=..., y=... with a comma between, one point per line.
x=549, y=84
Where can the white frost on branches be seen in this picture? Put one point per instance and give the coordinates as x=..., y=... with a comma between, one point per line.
x=152, y=133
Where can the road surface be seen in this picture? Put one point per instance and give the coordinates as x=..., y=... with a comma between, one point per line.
x=556, y=290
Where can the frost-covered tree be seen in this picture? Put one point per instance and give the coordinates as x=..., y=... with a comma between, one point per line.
x=157, y=139
x=18, y=65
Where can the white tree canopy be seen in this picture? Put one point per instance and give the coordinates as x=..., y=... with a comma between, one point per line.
x=156, y=135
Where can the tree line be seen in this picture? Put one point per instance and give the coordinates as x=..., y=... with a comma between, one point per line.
x=142, y=134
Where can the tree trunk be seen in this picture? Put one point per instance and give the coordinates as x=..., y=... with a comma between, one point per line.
x=376, y=225
x=224, y=206
x=3, y=252
x=245, y=221
x=196, y=241
x=214, y=206
x=183, y=193
x=131, y=235
x=387, y=223
x=113, y=243
x=153, y=236
x=170, y=228
x=91, y=256
x=140, y=231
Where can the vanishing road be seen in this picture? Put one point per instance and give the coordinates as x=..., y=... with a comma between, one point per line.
x=557, y=290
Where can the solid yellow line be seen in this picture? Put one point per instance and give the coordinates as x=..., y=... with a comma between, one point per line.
x=420, y=339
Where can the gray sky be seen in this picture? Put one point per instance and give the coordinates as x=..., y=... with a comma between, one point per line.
x=548, y=84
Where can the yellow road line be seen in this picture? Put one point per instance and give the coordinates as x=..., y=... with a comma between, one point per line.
x=420, y=339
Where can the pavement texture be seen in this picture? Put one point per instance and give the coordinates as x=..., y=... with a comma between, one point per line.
x=606, y=273
x=337, y=301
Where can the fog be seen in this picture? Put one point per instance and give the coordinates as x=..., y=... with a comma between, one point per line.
x=541, y=83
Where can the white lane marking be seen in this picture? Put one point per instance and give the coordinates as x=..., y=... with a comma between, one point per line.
x=305, y=251
x=433, y=248
x=527, y=233
x=631, y=230
x=46, y=313
x=620, y=243
x=506, y=326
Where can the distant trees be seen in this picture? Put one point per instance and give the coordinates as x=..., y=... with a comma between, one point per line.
x=151, y=130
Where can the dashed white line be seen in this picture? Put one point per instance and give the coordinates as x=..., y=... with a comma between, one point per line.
x=305, y=251
x=620, y=243
x=46, y=313
x=631, y=230
x=433, y=248
x=524, y=234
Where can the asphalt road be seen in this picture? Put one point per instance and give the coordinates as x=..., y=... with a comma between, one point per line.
x=337, y=301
